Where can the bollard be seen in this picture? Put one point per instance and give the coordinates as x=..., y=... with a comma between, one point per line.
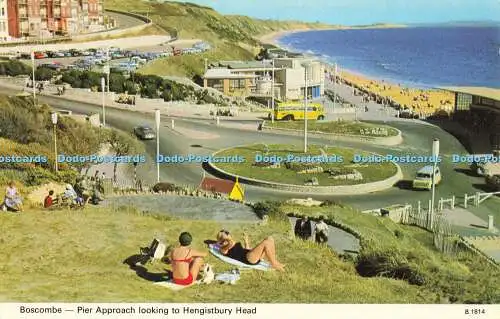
x=217, y=120
x=173, y=124
x=453, y=202
x=490, y=222
x=465, y=201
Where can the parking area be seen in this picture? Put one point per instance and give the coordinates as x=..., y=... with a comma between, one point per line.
x=122, y=60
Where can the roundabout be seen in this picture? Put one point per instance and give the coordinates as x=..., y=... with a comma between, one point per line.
x=322, y=170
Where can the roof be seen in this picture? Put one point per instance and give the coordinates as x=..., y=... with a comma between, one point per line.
x=426, y=170
x=245, y=64
x=220, y=73
x=490, y=93
x=217, y=185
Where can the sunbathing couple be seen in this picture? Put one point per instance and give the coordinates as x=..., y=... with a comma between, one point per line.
x=187, y=262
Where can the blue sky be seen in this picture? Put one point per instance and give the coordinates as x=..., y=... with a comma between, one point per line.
x=350, y=12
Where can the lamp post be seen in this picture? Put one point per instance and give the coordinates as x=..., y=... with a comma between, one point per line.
x=157, y=119
x=305, y=65
x=334, y=85
x=272, y=95
x=53, y=117
x=103, y=89
x=108, y=68
x=435, y=155
x=33, y=82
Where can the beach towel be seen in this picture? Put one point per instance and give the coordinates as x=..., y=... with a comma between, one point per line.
x=262, y=265
x=230, y=277
x=170, y=285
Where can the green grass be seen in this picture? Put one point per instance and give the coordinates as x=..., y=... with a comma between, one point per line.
x=78, y=257
x=287, y=176
x=337, y=127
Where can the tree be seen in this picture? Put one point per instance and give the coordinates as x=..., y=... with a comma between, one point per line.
x=44, y=74
x=122, y=144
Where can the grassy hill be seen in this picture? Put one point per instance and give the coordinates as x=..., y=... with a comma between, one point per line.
x=82, y=257
x=232, y=36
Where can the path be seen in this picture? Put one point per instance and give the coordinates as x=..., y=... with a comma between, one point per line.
x=339, y=240
x=187, y=207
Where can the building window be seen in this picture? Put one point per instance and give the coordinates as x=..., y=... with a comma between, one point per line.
x=215, y=83
x=463, y=101
x=237, y=84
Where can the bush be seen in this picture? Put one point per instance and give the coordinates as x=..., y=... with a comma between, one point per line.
x=389, y=264
x=270, y=208
x=150, y=91
x=14, y=68
x=117, y=82
x=44, y=74
x=165, y=187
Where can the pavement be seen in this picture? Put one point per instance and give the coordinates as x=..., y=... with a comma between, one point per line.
x=339, y=240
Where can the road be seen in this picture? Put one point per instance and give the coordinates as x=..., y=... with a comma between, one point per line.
x=417, y=138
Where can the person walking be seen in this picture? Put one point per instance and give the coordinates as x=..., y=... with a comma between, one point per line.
x=303, y=228
x=321, y=231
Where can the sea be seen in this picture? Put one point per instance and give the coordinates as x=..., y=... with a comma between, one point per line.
x=425, y=57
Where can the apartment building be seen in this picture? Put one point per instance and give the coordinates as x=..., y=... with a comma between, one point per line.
x=4, y=22
x=255, y=78
x=47, y=18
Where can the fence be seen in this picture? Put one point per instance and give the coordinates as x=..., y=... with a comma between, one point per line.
x=443, y=237
x=478, y=198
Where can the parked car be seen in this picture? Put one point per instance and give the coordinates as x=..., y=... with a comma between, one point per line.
x=423, y=178
x=40, y=55
x=87, y=53
x=50, y=54
x=144, y=132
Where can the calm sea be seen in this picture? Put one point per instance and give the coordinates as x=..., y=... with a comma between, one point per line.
x=417, y=56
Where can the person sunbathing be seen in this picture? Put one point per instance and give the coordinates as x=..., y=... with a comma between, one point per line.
x=251, y=256
x=186, y=262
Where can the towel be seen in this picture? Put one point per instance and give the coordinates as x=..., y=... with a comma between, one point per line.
x=170, y=285
x=228, y=277
x=262, y=265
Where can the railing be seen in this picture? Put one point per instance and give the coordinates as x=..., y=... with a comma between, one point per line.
x=442, y=202
x=478, y=198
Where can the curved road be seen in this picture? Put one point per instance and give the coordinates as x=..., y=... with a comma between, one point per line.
x=418, y=139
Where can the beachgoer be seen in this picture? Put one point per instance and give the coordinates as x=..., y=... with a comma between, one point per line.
x=49, y=200
x=303, y=228
x=12, y=199
x=321, y=231
x=245, y=254
x=186, y=261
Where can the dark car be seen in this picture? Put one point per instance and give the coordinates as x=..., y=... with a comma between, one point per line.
x=144, y=132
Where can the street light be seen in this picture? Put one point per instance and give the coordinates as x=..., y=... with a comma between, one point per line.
x=306, y=65
x=334, y=85
x=272, y=96
x=33, y=82
x=53, y=117
x=103, y=89
x=435, y=155
x=157, y=119
x=107, y=70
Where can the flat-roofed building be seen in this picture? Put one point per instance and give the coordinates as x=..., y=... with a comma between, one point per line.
x=4, y=21
x=289, y=78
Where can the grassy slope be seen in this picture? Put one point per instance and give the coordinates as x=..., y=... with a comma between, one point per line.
x=340, y=127
x=68, y=256
x=232, y=37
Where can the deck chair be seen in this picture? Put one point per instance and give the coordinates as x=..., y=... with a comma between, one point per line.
x=155, y=251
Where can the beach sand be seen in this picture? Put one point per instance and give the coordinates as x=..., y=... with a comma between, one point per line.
x=421, y=101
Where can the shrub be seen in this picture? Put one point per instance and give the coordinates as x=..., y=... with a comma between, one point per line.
x=14, y=68
x=44, y=74
x=270, y=208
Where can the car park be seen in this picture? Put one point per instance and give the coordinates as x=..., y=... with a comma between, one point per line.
x=144, y=132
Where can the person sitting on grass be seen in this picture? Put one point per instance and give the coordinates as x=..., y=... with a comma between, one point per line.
x=12, y=199
x=245, y=254
x=49, y=200
x=186, y=261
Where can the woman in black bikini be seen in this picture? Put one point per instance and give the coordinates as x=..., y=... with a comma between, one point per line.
x=245, y=254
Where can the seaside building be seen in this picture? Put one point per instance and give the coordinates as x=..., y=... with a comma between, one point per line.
x=483, y=104
x=43, y=19
x=4, y=21
x=254, y=78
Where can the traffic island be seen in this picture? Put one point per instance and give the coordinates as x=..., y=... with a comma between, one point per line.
x=322, y=170
x=339, y=130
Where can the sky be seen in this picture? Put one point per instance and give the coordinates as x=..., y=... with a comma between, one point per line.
x=355, y=12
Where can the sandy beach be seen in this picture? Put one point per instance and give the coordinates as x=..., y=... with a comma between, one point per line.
x=424, y=102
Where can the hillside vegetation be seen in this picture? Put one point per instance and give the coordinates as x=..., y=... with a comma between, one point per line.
x=231, y=36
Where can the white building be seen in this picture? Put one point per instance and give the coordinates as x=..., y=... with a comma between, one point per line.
x=4, y=22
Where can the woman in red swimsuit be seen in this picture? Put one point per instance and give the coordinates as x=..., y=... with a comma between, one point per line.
x=186, y=262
